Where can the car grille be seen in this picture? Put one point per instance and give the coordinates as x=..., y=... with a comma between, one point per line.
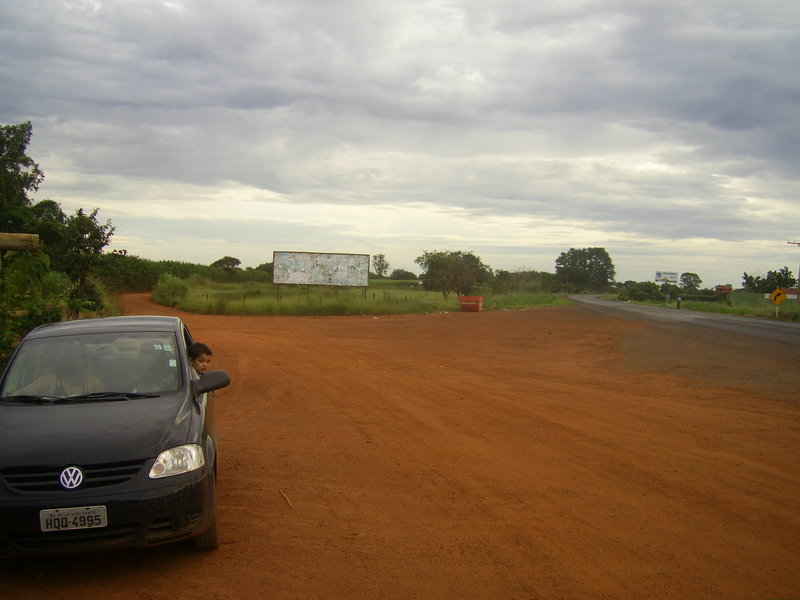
x=159, y=531
x=46, y=479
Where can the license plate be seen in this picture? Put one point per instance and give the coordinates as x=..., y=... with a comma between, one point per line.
x=82, y=517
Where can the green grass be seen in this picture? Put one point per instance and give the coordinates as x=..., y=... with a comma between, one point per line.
x=526, y=300
x=744, y=304
x=383, y=297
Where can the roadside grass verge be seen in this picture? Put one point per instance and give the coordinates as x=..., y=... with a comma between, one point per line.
x=513, y=301
x=385, y=298
x=742, y=304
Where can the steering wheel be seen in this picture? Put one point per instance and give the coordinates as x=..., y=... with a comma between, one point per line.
x=154, y=383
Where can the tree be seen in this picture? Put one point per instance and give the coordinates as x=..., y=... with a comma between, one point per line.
x=70, y=245
x=641, y=291
x=19, y=177
x=469, y=271
x=768, y=284
x=402, y=274
x=586, y=268
x=690, y=282
x=26, y=299
x=379, y=265
x=437, y=273
x=268, y=268
x=48, y=221
x=505, y=282
x=226, y=263
x=121, y=271
x=82, y=244
x=452, y=271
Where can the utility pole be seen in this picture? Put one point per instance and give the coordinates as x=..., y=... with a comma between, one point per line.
x=798, y=273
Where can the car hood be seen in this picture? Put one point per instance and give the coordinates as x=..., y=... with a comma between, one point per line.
x=93, y=432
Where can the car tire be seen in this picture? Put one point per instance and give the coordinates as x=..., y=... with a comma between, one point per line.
x=209, y=539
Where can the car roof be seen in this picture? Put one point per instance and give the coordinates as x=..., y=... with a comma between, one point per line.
x=142, y=323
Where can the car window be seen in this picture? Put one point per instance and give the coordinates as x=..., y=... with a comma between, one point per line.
x=62, y=366
x=187, y=336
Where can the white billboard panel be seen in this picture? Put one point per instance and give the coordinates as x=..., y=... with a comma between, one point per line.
x=318, y=268
x=667, y=276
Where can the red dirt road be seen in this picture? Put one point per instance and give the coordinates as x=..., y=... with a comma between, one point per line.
x=534, y=454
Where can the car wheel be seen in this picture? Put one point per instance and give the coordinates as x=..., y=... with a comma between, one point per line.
x=209, y=539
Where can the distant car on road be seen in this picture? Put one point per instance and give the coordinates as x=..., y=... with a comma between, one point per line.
x=107, y=439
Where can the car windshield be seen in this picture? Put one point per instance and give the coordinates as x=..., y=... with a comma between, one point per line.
x=126, y=365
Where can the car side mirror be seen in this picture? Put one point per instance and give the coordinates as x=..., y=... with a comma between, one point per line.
x=213, y=380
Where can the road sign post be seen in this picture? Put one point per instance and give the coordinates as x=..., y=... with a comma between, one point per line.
x=777, y=297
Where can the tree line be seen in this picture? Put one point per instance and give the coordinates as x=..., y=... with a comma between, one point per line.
x=71, y=272
x=38, y=287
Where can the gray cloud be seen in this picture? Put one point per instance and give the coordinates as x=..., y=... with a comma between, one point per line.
x=645, y=126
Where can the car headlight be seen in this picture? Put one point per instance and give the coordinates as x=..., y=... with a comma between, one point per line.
x=175, y=461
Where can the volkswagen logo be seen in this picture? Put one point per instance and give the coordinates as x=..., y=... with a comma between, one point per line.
x=71, y=477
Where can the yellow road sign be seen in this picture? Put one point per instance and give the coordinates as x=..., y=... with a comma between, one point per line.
x=777, y=297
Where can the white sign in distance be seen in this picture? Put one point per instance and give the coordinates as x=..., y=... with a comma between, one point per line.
x=320, y=268
x=667, y=276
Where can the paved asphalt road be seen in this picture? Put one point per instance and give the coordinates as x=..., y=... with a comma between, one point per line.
x=777, y=331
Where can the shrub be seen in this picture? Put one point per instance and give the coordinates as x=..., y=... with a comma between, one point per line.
x=170, y=290
x=402, y=274
x=88, y=300
x=701, y=297
x=30, y=295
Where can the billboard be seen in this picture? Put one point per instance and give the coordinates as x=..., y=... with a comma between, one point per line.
x=319, y=268
x=667, y=276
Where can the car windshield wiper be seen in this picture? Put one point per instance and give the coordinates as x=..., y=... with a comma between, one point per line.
x=30, y=399
x=93, y=397
x=103, y=396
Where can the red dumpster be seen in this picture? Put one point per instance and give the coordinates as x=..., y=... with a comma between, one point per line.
x=471, y=303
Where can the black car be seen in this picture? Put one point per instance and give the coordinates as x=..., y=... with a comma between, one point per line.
x=107, y=438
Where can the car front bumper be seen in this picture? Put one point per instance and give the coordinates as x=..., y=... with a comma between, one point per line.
x=161, y=513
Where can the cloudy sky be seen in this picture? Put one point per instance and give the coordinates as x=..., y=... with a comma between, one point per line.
x=666, y=132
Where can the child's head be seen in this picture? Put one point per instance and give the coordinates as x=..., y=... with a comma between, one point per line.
x=200, y=357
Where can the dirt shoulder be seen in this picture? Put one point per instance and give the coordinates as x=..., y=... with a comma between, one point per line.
x=542, y=453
